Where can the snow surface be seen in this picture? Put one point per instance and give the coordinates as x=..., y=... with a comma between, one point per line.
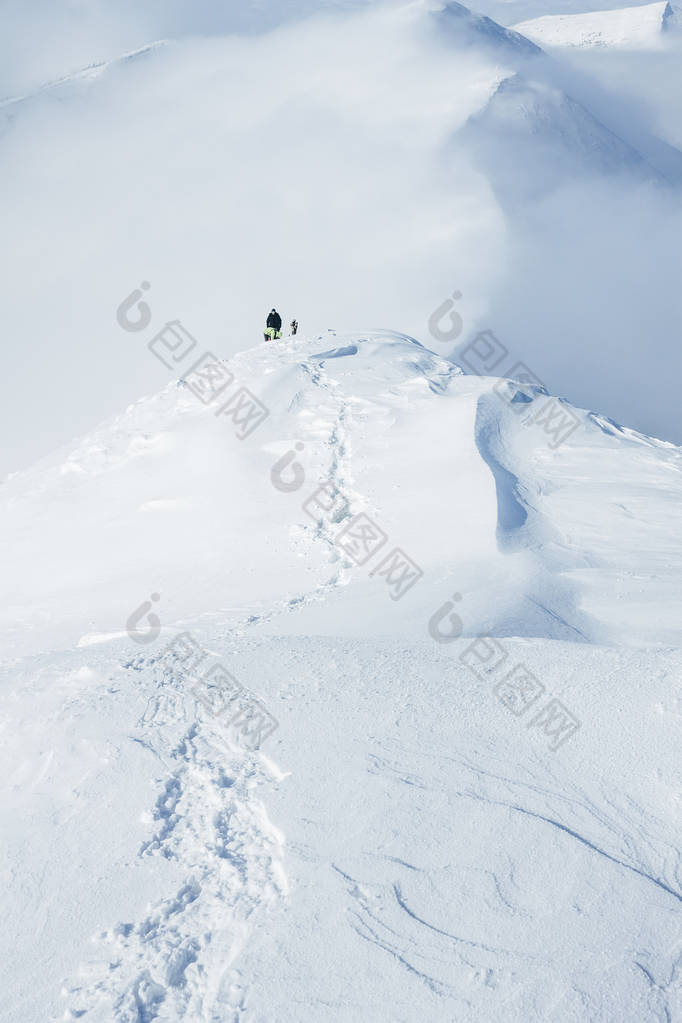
x=406, y=845
x=631, y=27
x=350, y=692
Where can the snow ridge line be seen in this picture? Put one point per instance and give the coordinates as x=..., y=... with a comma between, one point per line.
x=90, y=71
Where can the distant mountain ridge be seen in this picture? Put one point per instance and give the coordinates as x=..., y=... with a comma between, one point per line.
x=552, y=136
x=630, y=27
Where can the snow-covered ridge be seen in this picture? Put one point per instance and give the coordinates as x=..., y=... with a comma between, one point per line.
x=460, y=22
x=642, y=27
x=359, y=851
x=385, y=421
x=454, y=596
x=553, y=137
x=89, y=73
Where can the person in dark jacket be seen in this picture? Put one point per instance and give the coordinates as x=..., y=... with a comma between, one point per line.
x=273, y=326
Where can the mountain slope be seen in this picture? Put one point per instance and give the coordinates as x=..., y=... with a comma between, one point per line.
x=165, y=477
x=554, y=139
x=641, y=27
x=459, y=24
x=412, y=841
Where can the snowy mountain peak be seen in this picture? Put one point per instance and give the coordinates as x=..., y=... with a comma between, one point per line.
x=380, y=420
x=672, y=18
x=557, y=136
x=461, y=23
x=640, y=27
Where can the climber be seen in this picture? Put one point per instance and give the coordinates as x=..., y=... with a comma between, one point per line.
x=293, y=327
x=273, y=326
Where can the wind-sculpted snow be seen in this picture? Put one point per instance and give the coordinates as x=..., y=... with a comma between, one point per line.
x=383, y=420
x=410, y=842
x=338, y=683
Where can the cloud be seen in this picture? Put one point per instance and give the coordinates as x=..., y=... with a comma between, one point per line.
x=317, y=168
